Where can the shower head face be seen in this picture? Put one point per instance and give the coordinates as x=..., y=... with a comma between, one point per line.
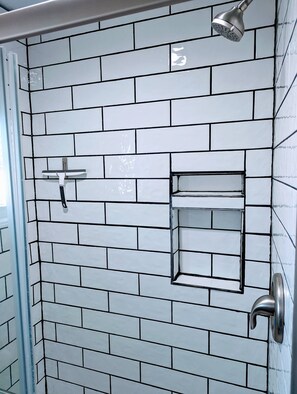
x=230, y=24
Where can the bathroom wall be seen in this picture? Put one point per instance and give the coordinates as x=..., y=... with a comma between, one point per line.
x=131, y=100
x=284, y=185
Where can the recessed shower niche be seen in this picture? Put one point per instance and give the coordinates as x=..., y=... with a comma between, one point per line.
x=207, y=230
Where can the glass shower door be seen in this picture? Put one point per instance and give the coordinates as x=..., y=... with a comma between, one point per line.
x=16, y=361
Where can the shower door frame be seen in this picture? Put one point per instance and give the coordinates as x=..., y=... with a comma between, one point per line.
x=10, y=127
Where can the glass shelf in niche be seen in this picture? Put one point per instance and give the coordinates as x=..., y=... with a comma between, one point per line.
x=207, y=231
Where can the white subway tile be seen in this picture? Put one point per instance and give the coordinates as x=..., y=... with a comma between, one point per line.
x=111, y=236
x=45, y=146
x=45, y=251
x=195, y=263
x=104, y=93
x=61, y=352
x=173, y=85
x=258, y=220
x=58, y=386
x=69, y=32
x=142, y=166
x=107, y=190
x=74, y=73
x=154, y=239
x=229, y=78
x=52, y=368
x=154, y=286
x=243, y=135
x=138, y=214
x=208, y=161
x=172, y=380
x=58, y=232
x=38, y=124
x=48, y=189
x=78, y=296
x=263, y=104
x=258, y=191
x=254, y=157
x=50, y=330
x=61, y=314
x=257, y=274
x=257, y=377
x=173, y=139
x=48, y=293
x=136, y=63
x=84, y=377
x=110, y=280
x=173, y=28
x=137, y=115
x=209, y=318
x=257, y=247
x=111, y=323
x=80, y=255
x=39, y=165
x=241, y=349
x=144, y=307
x=49, y=53
x=102, y=42
x=120, y=386
x=209, y=366
x=226, y=266
x=173, y=335
x=265, y=42
x=74, y=121
x=58, y=273
x=51, y=100
x=112, y=364
x=86, y=339
x=209, y=240
x=118, y=142
x=140, y=262
x=220, y=387
x=211, y=109
x=156, y=190
x=140, y=350
x=211, y=51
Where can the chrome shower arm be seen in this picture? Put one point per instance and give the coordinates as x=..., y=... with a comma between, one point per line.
x=243, y=5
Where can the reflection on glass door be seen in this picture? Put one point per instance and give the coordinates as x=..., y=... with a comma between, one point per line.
x=16, y=364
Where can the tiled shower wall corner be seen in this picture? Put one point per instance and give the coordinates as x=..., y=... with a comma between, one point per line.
x=131, y=100
x=20, y=48
x=284, y=185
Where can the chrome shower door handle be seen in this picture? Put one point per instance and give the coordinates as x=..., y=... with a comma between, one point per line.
x=273, y=306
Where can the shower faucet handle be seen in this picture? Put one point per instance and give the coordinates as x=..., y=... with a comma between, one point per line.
x=264, y=306
x=273, y=306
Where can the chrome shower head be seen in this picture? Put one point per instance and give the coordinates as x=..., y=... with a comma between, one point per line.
x=229, y=24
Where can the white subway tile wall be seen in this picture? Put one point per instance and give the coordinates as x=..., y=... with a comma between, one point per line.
x=284, y=190
x=131, y=100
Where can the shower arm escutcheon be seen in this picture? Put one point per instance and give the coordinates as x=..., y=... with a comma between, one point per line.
x=273, y=306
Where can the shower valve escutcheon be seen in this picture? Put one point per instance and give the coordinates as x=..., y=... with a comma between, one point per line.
x=273, y=306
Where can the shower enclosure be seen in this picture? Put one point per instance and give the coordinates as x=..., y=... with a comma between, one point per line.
x=156, y=213
x=16, y=366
